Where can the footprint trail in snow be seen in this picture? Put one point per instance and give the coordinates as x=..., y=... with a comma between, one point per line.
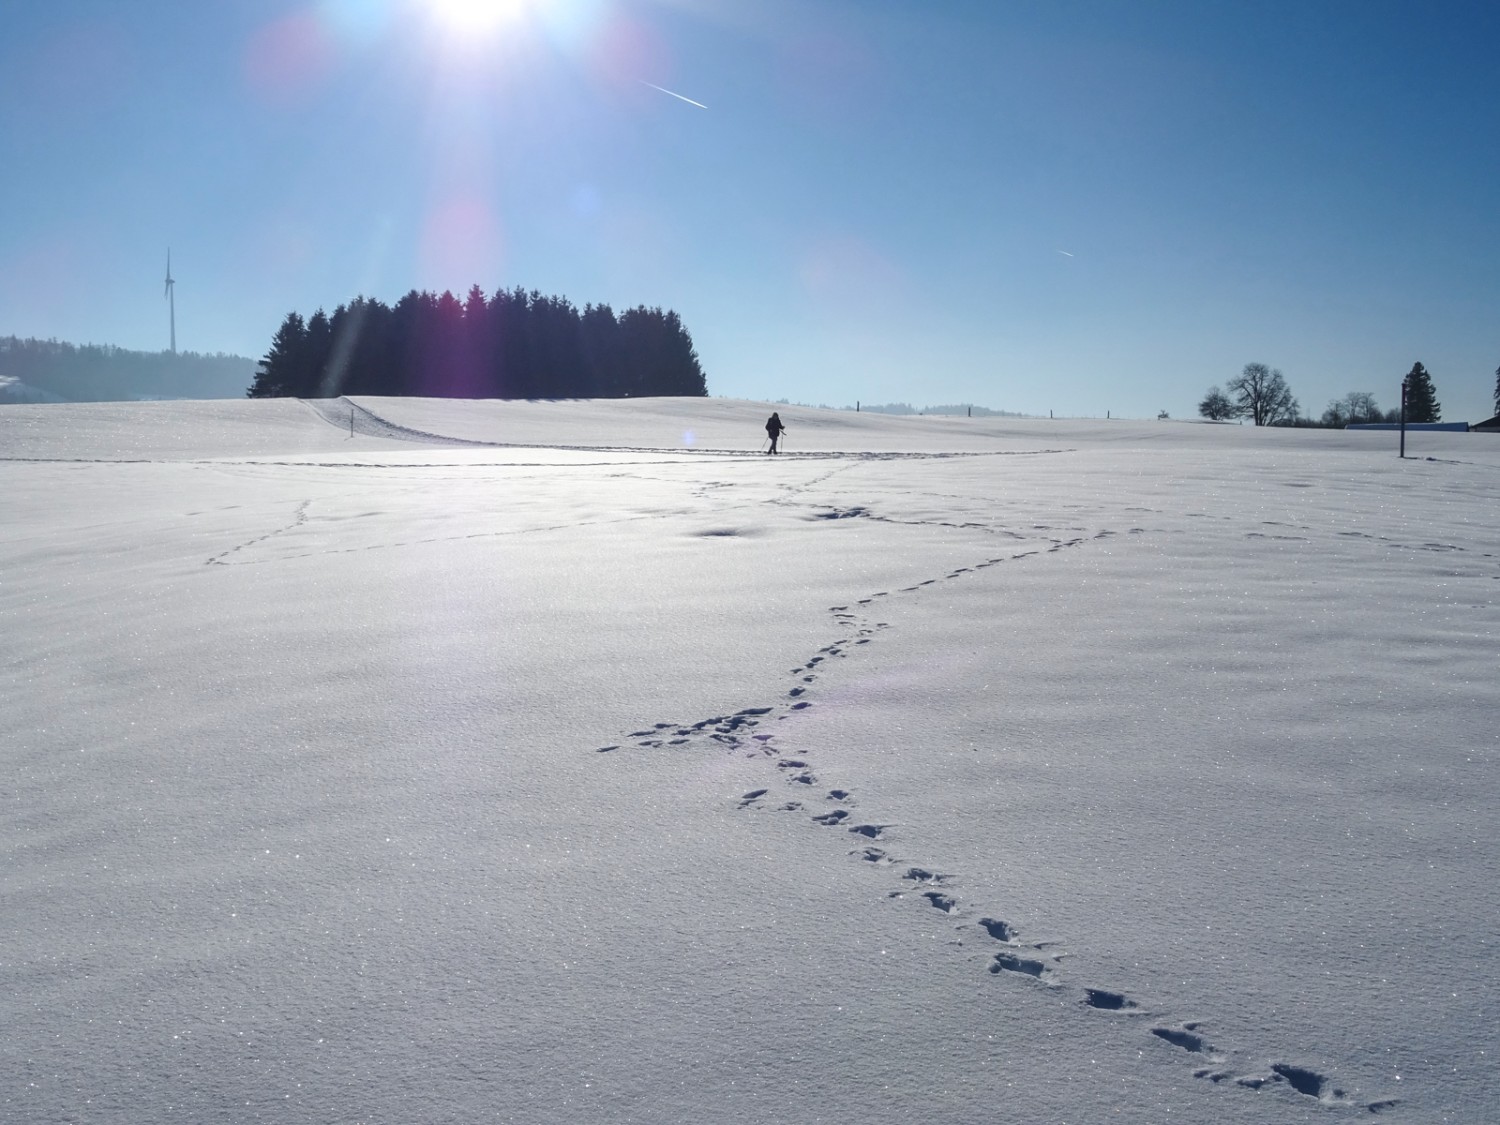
x=793, y=786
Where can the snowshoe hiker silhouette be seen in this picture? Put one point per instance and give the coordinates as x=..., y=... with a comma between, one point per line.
x=775, y=429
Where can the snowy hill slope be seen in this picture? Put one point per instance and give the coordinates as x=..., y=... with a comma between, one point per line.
x=941, y=770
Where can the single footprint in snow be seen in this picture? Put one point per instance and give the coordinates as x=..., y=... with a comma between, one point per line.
x=922, y=875
x=1185, y=1036
x=1000, y=931
x=1026, y=966
x=1304, y=1081
x=1109, y=1001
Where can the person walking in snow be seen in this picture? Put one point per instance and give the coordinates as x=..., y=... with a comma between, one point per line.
x=775, y=429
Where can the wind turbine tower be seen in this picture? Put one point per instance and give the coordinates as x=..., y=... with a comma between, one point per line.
x=171, y=297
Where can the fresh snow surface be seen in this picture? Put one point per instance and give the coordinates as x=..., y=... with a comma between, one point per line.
x=572, y=762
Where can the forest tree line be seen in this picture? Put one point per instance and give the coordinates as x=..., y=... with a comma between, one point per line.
x=514, y=344
x=51, y=369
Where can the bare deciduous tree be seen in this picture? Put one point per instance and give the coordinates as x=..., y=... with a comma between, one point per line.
x=1261, y=394
x=1217, y=406
x=1361, y=407
x=1354, y=409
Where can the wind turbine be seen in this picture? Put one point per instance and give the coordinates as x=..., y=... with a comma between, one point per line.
x=171, y=297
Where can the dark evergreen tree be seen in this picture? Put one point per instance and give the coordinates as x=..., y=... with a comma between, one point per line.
x=1421, y=398
x=341, y=347
x=680, y=373
x=1497, y=390
x=599, y=344
x=318, y=346
x=278, y=373
x=472, y=352
x=411, y=323
x=354, y=362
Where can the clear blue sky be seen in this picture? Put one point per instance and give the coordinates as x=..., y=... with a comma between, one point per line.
x=1070, y=205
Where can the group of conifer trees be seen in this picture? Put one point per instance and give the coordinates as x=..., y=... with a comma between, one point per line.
x=512, y=345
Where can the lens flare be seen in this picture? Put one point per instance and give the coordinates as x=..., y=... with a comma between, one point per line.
x=287, y=60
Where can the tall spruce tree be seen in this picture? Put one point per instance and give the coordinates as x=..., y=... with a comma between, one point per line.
x=319, y=345
x=1421, y=399
x=277, y=375
x=1497, y=390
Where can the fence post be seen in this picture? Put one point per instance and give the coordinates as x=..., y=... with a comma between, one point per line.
x=1404, y=383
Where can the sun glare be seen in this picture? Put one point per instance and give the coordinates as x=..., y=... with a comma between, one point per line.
x=476, y=16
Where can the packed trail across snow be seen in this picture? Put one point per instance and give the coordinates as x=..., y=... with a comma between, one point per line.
x=572, y=762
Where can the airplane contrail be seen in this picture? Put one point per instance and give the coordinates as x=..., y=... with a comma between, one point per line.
x=1065, y=252
x=664, y=90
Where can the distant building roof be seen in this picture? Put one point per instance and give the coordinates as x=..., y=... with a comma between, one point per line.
x=1458, y=427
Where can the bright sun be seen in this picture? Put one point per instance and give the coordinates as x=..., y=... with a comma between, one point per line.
x=476, y=15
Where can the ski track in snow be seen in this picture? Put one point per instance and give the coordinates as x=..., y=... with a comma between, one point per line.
x=345, y=414
x=794, y=786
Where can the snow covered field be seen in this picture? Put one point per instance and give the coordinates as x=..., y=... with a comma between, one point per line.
x=941, y=770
